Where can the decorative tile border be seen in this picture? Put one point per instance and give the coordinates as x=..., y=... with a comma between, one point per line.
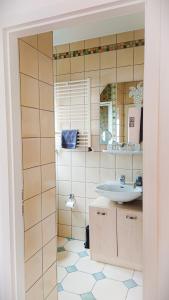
x=99, y=49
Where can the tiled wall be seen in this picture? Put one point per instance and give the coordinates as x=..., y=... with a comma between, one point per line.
x=79, y=172
x=38, y=155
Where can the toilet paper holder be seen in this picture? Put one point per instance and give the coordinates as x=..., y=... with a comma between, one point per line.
x=70, y=202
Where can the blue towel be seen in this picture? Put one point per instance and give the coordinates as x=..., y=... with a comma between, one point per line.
x=69, y=138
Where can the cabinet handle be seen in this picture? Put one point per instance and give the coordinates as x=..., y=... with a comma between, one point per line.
x=103, y=213
x=131, y=218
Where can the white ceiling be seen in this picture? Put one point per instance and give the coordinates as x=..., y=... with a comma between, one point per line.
x=99, y=28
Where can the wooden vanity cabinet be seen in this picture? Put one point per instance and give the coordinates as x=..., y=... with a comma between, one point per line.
x=116, y=235
x=103, y=243
x=129, y=235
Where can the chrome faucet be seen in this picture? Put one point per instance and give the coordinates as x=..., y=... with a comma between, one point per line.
x=123, y=179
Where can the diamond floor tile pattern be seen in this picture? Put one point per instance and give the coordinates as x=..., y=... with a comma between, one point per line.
x=80, y=278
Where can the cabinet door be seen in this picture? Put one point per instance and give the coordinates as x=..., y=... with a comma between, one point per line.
x=103, y=242
x=129, y=235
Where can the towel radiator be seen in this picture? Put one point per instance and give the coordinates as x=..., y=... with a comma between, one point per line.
x=72, y=110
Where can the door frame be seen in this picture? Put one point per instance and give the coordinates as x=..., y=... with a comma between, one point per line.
x=12, y=285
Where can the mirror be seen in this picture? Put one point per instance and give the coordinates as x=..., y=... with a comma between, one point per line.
x=121, y=113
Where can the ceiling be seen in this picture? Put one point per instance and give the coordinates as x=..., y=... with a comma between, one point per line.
x=99, y=28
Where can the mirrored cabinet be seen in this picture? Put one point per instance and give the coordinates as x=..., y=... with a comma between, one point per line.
x=121, y=116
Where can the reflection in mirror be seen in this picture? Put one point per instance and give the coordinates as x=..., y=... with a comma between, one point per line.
x=121, y=113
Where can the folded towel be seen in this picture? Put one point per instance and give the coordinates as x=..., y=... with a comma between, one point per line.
x=69, y=138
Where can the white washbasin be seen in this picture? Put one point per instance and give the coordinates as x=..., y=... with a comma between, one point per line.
x=119, y=193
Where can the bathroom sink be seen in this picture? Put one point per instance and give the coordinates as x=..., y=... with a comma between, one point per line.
x=118, y=192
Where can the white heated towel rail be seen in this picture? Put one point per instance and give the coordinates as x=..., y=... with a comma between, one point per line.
x=72, y=110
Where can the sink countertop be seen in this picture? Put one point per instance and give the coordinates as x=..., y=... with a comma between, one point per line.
x=103, y=202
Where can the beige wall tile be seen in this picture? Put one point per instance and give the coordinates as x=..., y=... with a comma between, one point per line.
x=92, y=43
x=45, y=69
x=95, y=95
x=63, y=78
x=77, y=64
x=31, y=152
x=77, y=76
x=94, y=76
x=78, y=233
x=32, y=182
x=29, y=91
x=124, y=74
x=47, y=123
x=28, y=58
x=45, y=43
x=48, y=176
x=138, y=72
x=49, y=254
x=65, y=230
x=32, y=211
x=77, y=46
x=48, y=229
x=33, y=269
x=107, y=161
x=107, y=174
x=63, y=66
x=36, y=292
x=139, y=34
x=47, y=150
x=108, y=59
x=78, y=219
x=139, y=55
x=108, y=39
x=64, y=217
x=124, y=161
x=46, y=94
x=62, y=48
x=48, y=203
x=53, y=295
x=125, y=36
x=31, y=40
x=137, y=162
x=33, y=240
x=49, y=280
x=107, y=76
x=92, y=62
x=125, y=57
x=30, y=122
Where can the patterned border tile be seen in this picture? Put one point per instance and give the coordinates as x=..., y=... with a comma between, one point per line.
x=100, y=49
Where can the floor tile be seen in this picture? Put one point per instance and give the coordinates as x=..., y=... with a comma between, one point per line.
x=138, y=277
x=99, y=276
x=59, y=287
x=135, y=294
x=71, y=269
x=88, y=296
x=74, y=246
x=87, y=265
x=66, y=259
x=83, y=254
x=130, y=283
x=117, y=273
x=61, y=273
x=109, y=289
x=61, y=241
x=78, y=283
x=68, y=296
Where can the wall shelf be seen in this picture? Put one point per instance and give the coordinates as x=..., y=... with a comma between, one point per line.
x=124, y=152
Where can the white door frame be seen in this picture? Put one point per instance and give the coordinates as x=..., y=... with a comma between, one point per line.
x=11, y=223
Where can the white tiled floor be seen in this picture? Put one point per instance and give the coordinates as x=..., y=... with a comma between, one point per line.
x=80, y=278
